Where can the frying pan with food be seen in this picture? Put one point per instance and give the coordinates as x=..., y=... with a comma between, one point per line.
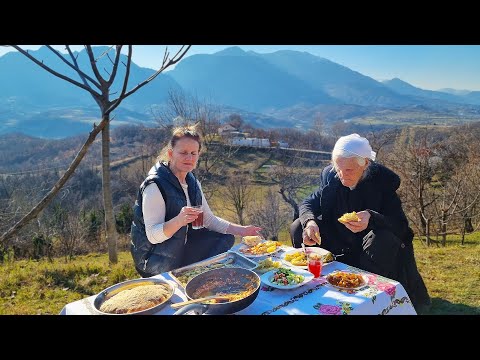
x=241, y=286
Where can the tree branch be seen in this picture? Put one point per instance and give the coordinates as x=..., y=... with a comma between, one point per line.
x=178, y=56
x=117, y=102
x=57, y=74
x=93, y=64
x=115, y=65
x=75, y=67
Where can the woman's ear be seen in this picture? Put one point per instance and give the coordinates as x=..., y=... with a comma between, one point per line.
x=170, y=153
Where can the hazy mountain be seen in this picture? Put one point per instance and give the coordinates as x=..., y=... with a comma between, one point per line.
x=245, y=80
x=280, y=89
x=454, y=91
x=341, y=83
x=473, y=97
x=404, y=88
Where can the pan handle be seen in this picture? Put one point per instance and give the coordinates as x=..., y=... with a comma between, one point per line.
x=199, y=309
x=203, y=299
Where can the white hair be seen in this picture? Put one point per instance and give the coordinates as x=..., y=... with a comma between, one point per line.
x=340, y=153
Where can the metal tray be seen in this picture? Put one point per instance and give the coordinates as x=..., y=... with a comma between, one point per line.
x=227, y=259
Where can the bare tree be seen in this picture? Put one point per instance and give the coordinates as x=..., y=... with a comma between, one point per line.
x=415, y=158
x=269, y=214
x=235, y=120
x=237, y=195
x=187, y=110
x=291, y=181
x=100, y=89
x=339, y=128
x=379, y=140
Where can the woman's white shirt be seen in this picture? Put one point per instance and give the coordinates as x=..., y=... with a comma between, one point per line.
x=153, y=207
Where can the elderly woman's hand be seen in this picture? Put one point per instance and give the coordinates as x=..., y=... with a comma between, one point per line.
x=358, y=226
x=311, y=234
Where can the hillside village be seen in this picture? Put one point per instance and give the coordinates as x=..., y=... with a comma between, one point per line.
x=235, y=137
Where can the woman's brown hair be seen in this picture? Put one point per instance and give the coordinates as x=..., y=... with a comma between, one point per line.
x=179, y=133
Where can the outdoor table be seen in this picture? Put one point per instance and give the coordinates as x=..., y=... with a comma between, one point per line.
x=379, y=295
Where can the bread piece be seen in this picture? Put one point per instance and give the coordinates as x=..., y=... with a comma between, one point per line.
x=252, y=240
x=135, y=299
x=349, y=217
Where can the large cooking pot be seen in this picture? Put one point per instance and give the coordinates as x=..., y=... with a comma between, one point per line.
x=222, y=281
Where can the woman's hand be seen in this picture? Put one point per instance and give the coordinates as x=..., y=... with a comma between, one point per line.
x=311, y=234
x=358, y=226
x=250, y=230
x=187, y=215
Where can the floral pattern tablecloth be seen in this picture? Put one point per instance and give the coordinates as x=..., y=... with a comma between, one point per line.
x=379, y=295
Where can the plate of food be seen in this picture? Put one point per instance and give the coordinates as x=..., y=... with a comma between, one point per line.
x=267, y=264
x=286, y=279
x=264, y=248
x=346, y=280
x=252, y=240
x=298, y=258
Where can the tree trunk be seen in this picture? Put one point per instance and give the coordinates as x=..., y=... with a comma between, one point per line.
x=292, y=203
x=468, y=225
x=110, y=230
x=444, y=228
x=428, y=231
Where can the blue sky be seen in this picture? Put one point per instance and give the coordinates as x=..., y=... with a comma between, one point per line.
x=429, y=67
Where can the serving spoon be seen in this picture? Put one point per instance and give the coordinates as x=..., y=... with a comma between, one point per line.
x=203, y=299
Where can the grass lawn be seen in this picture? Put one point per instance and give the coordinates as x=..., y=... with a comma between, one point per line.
x=452, y=276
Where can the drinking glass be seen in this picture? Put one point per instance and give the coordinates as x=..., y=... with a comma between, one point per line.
x=314, y=263
x=198, y=222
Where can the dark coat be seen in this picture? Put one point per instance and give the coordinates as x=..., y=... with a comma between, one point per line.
x=376, y=192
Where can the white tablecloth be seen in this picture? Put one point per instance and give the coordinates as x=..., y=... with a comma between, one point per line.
x=379, y=296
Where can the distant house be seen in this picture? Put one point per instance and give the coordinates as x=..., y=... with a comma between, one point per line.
x=255, y=142
x=226, y=129
x=282, y=144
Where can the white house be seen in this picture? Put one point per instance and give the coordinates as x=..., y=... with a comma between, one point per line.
x=255, y=142
x=226, y=129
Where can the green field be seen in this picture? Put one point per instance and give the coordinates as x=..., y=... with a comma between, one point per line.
x=452, y=276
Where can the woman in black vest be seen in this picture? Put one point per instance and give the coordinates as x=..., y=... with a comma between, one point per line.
x=162, y=235
x=380, y=240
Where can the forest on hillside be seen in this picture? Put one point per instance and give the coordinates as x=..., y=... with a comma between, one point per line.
x=439, y=168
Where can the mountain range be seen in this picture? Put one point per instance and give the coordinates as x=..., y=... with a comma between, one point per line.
x=281, y=89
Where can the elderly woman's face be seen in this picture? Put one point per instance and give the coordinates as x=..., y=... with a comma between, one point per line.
x=349, y=171
x=184, y=156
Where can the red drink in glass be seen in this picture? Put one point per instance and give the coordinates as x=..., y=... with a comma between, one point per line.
x=198, y=222
x=314, y=265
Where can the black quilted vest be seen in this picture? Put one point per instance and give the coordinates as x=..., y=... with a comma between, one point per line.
x=174, y=196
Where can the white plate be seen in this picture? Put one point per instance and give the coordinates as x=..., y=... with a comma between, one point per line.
x=245, y=247
x=364, y=278
x=269, y=275
x=321, y=251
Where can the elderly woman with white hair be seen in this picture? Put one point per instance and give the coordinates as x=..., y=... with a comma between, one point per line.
x=379, y=238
